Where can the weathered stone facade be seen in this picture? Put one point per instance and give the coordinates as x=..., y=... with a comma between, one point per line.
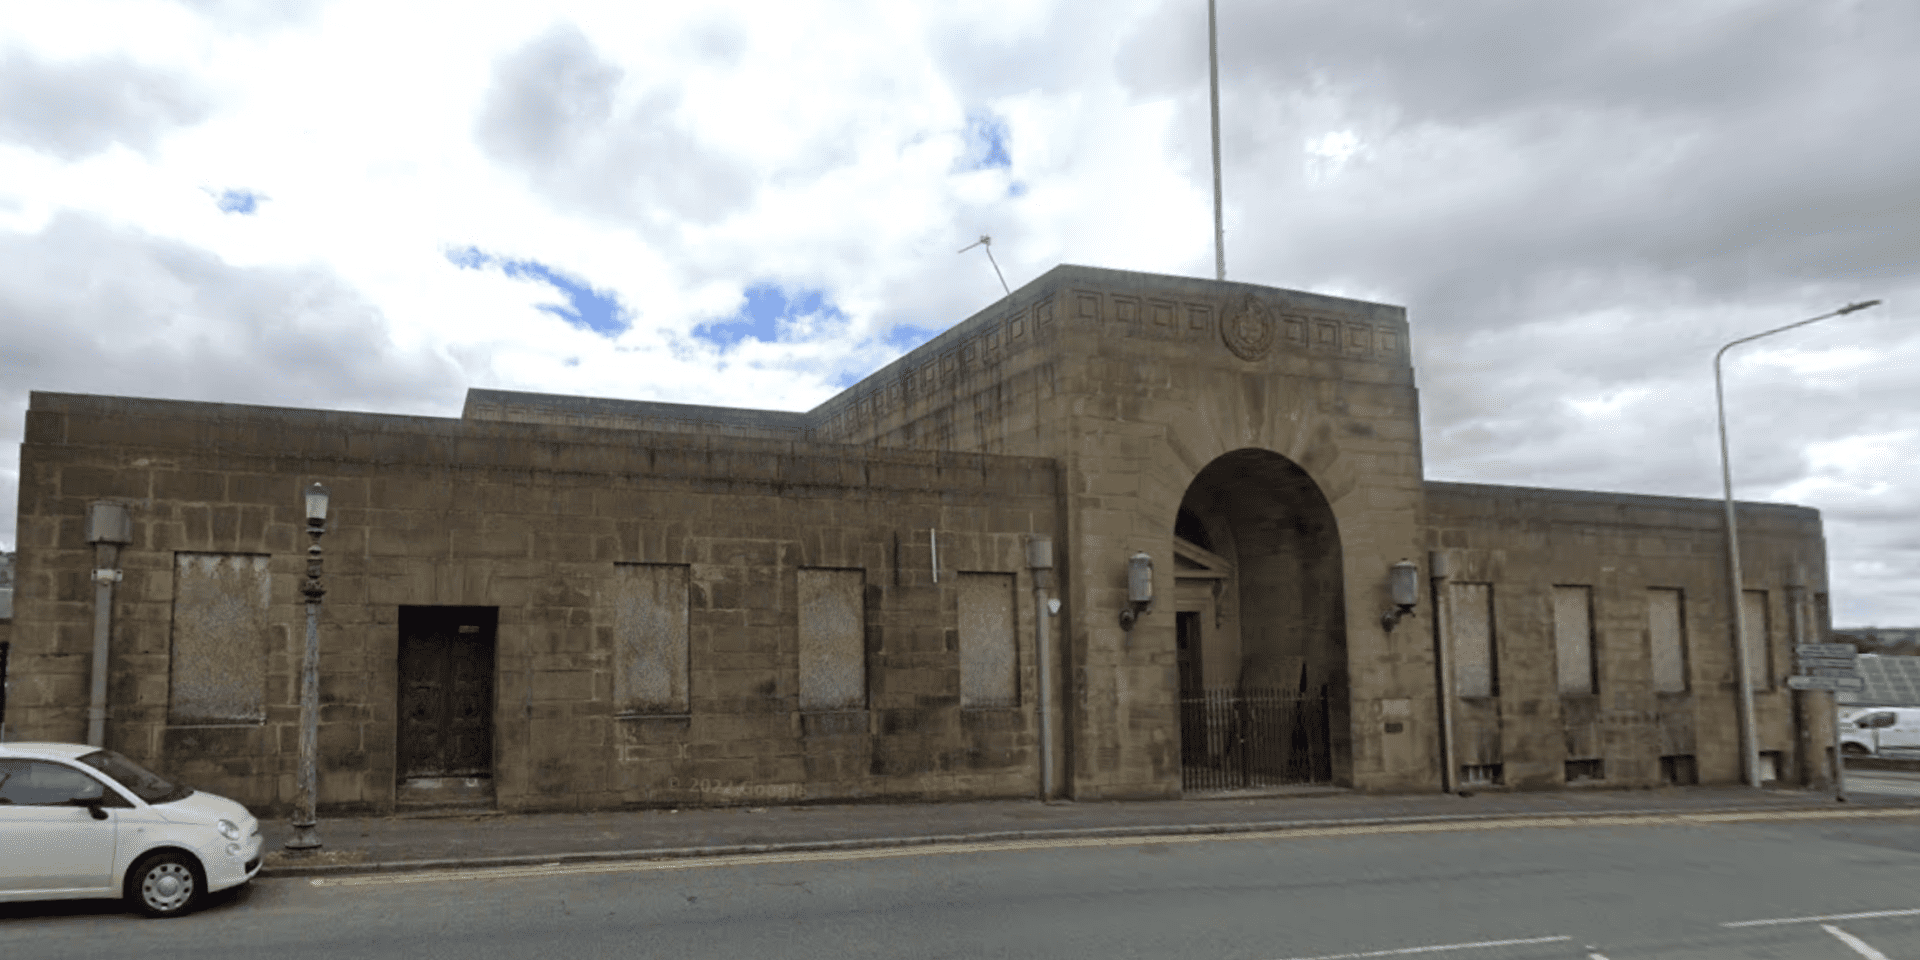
x=592, y=603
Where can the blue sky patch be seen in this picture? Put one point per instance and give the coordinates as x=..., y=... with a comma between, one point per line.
x=238, y=201
x=987, y=142
x=768, y=306
x=586, y=308
x=905, y=338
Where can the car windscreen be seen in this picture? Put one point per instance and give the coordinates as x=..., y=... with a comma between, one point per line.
x=144, y=783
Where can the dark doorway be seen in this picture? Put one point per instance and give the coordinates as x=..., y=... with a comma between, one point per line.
x=1186, y=631
x=446, y=692
x=1267, y=705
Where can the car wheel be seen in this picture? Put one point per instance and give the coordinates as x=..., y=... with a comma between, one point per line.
x=1853, y=749
x=166, y=884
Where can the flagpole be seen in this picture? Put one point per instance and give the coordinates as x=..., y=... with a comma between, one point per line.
x=1213, y=80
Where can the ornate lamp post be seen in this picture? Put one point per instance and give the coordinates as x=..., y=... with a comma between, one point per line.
x=305, y=836
x=1749, y=739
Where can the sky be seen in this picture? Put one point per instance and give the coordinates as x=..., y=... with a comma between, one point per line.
x=376, y=205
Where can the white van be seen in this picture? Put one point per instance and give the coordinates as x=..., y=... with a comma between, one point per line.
x=1868, y=731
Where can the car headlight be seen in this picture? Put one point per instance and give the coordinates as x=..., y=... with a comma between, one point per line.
x=228, y=829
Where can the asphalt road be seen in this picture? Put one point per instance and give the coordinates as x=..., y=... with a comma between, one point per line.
x=1897, y=783
x=1692, y=890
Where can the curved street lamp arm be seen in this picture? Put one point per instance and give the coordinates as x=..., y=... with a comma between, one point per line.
x=1849, y=308
x=1749, y=739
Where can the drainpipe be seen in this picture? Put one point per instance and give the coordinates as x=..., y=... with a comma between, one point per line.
x=108, y=527
x=1439, y=570
x=1040, y=558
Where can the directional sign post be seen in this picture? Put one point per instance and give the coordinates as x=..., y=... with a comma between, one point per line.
x=1840, y=663
x=1824, y=650
x=1830, y=666
x=1849, y=684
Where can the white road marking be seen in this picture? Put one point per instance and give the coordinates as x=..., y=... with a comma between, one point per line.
x=995, y=846
x=1859, y=946
x=1404, y=951
x=1834, y=916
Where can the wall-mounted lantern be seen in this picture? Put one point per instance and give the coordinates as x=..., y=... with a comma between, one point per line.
x=1139, y=589
x=1403, y=583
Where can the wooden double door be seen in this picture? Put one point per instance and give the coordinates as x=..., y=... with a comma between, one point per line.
x=446, y=692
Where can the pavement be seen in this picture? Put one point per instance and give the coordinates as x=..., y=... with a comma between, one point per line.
x=456, y=839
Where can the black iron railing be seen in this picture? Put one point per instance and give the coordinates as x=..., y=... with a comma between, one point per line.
x=1236, y=739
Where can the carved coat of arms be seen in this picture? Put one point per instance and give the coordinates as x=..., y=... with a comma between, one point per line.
x=1249, y=329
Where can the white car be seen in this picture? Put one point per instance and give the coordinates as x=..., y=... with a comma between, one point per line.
x=81, y=822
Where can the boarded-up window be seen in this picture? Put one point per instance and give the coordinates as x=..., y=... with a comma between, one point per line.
x=987, y=642
x=833, y=647
x=1573, y=638
x=650, y=638
x=1476, y=672
x=219, y=662
x=1754, y=604
x=1667, y=638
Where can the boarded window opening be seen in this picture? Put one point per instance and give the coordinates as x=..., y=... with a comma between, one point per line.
x=833, y=648
x=650, y=639
x=1759, y=634
x=1573, y=639
x=1667, y=639
x=988, y=645
x=220, y=632
x=1476, y=669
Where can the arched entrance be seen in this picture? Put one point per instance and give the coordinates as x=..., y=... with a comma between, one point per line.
x=1260, y=628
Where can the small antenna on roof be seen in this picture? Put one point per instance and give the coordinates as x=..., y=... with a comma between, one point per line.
x=987, y=242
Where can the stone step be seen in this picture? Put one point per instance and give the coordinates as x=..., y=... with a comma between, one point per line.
x=441, y=793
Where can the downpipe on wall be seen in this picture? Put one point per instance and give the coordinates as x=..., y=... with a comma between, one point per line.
x=1439, y=569
x=1040, y=559
x=108, y=528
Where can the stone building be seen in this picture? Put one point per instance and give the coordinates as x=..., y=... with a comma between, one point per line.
x=563, y=602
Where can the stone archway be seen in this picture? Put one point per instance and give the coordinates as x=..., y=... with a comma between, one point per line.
x=1260, y=627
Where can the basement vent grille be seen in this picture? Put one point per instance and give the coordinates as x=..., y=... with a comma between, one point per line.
x=1583, y=770
x=1678, y=770
x=1480, y=775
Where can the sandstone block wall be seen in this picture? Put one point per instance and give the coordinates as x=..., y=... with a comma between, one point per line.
x=1522, y=543
x=531, y=519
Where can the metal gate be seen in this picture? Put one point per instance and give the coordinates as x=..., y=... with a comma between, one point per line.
x=1236, y=739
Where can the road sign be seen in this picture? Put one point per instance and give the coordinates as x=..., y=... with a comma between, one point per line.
x=1831, y=672
x=1847, y=684
x=1845, y=663
x=1824, y=649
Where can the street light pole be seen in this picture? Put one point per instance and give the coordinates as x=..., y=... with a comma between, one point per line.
x=304, y=822
x=1749, y=738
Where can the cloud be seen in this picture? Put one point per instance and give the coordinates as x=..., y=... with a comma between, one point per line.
x=257, y=16
x=73, y=110
x=551, y=115
x=1577, y=203
x=101, y=309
